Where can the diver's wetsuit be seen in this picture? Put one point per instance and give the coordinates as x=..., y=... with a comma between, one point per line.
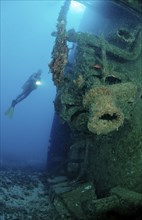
x=20, y=97
x=28, y=87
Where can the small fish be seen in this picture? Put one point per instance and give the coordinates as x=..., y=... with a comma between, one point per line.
x=97, y=66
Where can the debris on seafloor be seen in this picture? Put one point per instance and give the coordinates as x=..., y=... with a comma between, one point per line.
x=78, y=201
x=24, y=195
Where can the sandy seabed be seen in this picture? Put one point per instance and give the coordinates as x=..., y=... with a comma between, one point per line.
x=24, y=195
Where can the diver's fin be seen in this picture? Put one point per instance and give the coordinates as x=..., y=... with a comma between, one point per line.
x=9, y=112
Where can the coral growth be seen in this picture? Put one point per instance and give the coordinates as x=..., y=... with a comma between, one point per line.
x=102, y=102
x=60, y=50
x=104, y=115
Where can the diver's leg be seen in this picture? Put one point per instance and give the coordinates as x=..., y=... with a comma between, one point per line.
x=9, y=112
x=14, y=102
x=22, y=96
x=19, y=97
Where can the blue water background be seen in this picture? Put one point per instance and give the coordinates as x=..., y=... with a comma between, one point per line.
x=26, y=46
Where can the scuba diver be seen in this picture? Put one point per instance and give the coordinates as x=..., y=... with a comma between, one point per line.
x=30, y=85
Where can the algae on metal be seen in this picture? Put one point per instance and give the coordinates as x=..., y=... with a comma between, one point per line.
x=102, y=102
x=60, y=50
